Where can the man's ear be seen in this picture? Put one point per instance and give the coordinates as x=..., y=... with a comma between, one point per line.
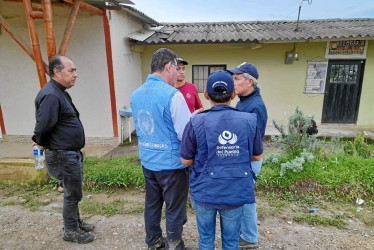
x=233, y=95
x=206, y=95
x=56, y=72
x=168, y=66
x=250, y=82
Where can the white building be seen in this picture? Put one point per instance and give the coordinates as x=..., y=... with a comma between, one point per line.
x=105, y=82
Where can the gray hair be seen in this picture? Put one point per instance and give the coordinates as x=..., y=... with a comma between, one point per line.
x=162, y=57
x=55, y=63
x=248, y=76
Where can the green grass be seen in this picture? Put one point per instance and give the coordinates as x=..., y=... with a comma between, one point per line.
x=116, y=172
x=349, y=176
x=313, y=219
x=118, y=206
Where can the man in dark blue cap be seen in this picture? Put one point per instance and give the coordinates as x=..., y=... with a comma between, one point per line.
x=219, y=144
x=246, y=79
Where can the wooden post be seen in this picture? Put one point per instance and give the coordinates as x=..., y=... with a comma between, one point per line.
x=35, y=44
x=108, y=47
x=48, y=20
x=69, y=28
x=91, y=8
x=2, y=122
x=21, y=43
x=36, y=6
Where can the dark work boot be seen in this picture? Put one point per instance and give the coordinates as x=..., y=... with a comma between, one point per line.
x=85, y=226
x=157, y=243
x=78, y=236
x=175, y=245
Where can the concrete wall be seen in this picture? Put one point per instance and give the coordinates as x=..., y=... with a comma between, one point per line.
x=19, y=83
x=281, y=84
x=126, y=64
x=366, y=111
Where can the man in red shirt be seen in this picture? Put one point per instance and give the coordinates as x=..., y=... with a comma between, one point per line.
x=188, y=90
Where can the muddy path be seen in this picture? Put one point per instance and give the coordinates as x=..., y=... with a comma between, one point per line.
x=30, y=220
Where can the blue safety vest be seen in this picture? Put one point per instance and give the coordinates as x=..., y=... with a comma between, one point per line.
x=222, y=172
x=157, y=140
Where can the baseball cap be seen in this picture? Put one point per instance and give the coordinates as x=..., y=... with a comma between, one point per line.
x=180, y=60
x=220, y=78
x=245, y=68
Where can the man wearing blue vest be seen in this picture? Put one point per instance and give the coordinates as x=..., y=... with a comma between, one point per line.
x=160, y=115
x=245, y=78
x=219, y=144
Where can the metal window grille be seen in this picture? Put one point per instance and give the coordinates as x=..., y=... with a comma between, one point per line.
x=200, y=74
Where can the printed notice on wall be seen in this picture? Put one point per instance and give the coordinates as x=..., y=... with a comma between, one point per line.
x=346, y=49
x=315, y=77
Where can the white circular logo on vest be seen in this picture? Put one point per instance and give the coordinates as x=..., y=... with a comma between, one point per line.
x=188, y=95
x=227, y=137
x=146, y=122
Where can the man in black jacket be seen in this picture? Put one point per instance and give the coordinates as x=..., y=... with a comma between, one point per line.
x=59, y=131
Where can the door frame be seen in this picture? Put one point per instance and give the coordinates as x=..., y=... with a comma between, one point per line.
x=357, y=108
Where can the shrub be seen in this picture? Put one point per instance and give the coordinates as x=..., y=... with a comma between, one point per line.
x=298, y=137
x=357, y=147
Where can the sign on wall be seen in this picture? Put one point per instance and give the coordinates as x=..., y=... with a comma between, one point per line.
x=346, y=49
x=315, y=77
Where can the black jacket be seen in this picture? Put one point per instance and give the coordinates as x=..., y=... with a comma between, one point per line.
x=57, y=120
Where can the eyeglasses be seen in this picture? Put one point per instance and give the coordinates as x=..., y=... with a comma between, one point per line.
x=181, y=69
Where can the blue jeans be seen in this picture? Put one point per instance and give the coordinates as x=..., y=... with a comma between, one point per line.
x=206, y=225
x=67, y=166
x=171, y=187
x=249, y=230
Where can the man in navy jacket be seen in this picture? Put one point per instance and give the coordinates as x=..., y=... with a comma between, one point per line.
x=219, y=144
x=245, y=78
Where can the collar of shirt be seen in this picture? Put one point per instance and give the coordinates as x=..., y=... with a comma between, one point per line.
x=58, y=85
x=255, y=92
x=222, y=107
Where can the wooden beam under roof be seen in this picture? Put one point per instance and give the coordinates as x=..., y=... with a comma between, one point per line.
x=87, y=6
x=69, y=28
x=21, y=43
x=48, y=23
x=35, y=43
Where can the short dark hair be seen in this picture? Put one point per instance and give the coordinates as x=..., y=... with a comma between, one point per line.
x=161, y=57
x=222, y=97
x=55, y=63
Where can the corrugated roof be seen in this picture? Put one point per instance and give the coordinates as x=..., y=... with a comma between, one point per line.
x=106, y=3
x=123, y=4
x=141, y=35
x=259, y=31
x=140, y=15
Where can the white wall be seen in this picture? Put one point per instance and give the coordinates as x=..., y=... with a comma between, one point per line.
x=19, y=82
x=126, y=64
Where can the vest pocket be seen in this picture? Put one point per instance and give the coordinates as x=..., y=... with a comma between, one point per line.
x=229, y=171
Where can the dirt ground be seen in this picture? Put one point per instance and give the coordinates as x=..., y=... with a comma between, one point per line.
x=40, y=227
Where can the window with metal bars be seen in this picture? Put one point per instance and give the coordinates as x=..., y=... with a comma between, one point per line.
x=200, y=74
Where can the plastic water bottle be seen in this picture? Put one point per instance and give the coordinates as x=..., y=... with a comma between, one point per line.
x=39, y=159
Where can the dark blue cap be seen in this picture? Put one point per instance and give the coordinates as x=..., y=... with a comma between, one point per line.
x=180, y=60
x=220, y=78
x=245, y=67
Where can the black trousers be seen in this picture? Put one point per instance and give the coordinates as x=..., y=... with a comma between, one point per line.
x=67, y=166
x=171, y=187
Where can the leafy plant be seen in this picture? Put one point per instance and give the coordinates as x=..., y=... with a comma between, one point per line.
x=357, y=147
x=299, y=135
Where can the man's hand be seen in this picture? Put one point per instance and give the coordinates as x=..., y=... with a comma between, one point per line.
x=41, y=147
x=256, y=157
x=197, y=111
x=187, y=162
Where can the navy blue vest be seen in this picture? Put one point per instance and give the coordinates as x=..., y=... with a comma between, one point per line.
x=222, y=171
x=158, y=142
